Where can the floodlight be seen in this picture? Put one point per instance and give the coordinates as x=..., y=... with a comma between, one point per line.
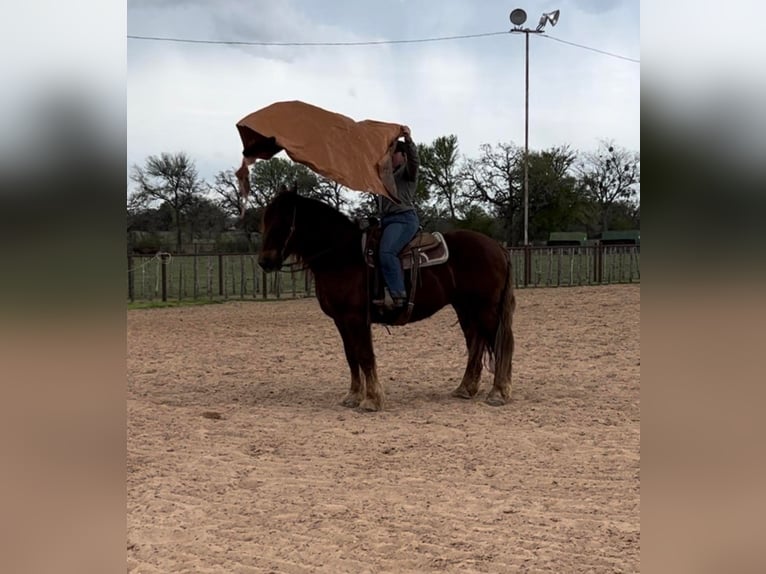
x=551, y=17
x=518, y=17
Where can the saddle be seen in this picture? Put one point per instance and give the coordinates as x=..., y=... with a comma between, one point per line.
x=425, y=250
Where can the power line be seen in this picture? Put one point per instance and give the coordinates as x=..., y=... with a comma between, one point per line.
x=589, y=48
x=364, y=43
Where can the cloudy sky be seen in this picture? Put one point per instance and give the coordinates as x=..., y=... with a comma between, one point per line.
x=188, y=97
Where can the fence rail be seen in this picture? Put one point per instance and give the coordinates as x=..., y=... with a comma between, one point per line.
x=222, y=276
x=578, y=265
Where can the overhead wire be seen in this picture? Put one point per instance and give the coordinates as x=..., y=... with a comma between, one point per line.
x=589, y=48
x=367, y=42
x=357, y=43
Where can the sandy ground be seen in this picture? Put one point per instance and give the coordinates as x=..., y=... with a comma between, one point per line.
x=240, y=458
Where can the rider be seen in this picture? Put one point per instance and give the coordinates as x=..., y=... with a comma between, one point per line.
x=399, y=221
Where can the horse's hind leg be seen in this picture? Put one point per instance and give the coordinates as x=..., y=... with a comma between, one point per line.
x=354, y=395
x=500, y=393
x=469, y=386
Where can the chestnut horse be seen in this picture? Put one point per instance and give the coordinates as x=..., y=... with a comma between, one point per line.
x=476, y=280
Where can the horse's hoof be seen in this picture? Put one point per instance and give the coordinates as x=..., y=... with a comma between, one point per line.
x=369, y=406
x=462, y=393
x=495, y=400
x=350, y=401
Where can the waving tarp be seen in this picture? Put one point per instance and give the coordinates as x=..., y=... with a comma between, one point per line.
x=355, y=154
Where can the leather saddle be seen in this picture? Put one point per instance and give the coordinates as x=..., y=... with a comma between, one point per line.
x=425, y=250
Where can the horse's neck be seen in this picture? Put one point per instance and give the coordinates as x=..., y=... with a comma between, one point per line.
x=326, y=245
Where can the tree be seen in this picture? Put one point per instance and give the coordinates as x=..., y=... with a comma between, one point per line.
x=332, y=193
x=441, y=174
x=494, y=180
x=555, y=202
x=225, y=189
x=476, y=219
x=205, y=217
x=150, y=219
x=269, y=176
x=609, y=175
x=168, y=179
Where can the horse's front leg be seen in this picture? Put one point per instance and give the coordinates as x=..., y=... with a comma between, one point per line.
x=373, y=390
x=354, y=396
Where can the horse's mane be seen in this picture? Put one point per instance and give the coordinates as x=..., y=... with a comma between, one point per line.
x=323, y=213
x=327, y=235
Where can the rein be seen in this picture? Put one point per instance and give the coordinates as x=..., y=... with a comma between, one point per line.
x=303, y=264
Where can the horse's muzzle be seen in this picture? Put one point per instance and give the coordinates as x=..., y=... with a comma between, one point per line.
x=270, y=261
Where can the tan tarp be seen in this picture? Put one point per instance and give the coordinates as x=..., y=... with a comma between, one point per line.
x=355, y=154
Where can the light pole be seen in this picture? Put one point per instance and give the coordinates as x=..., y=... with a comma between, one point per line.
x=518, y=17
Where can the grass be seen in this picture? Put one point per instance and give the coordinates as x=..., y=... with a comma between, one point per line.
x=198, y=278
x=243, y=279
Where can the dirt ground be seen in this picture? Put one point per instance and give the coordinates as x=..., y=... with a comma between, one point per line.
x=240, y=458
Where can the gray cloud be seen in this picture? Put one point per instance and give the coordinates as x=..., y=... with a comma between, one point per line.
x=183, y=96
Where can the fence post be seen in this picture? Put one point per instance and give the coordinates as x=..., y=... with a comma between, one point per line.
x=598, y=267
x=181, y=288
x=131, y=294
x=264, y=284
x=220, y=274
x=527, y=265
x=242, y=277
x=164, y=278
x=255, y=277
x=196, y=275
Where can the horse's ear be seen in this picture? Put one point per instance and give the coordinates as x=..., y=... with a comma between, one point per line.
x=292, y=189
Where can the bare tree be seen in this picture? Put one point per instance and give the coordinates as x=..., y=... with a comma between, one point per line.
x=609, y=175
x=171, y=179
x=494, y=180
x=225, y=189
x=331, y=192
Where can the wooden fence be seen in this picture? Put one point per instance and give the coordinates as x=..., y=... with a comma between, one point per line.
x=165, y=276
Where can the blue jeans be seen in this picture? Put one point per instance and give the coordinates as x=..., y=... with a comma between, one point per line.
x=398, y=230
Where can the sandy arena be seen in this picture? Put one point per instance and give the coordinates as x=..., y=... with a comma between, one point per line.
x=241, y=460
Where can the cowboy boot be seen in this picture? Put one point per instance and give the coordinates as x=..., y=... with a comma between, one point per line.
x=399, y=303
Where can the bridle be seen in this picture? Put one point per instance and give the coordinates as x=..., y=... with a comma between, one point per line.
x=289, y=235
x=300, y=264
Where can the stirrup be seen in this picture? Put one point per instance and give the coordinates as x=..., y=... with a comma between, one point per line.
x=387, y=300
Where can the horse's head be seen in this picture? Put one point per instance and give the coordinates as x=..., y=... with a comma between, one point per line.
x=278, y=229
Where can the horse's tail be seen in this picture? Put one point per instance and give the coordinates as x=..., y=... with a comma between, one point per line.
x=503, y=348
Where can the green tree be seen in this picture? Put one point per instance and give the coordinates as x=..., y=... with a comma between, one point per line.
x=555, y=201
x=442, y=174
x=267, y=177
x=205, y=218
x=476, y=219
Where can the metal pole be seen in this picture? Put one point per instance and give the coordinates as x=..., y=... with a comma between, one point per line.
x=526, y=147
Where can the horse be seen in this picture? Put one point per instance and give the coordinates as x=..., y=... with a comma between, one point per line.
x=476, y=280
